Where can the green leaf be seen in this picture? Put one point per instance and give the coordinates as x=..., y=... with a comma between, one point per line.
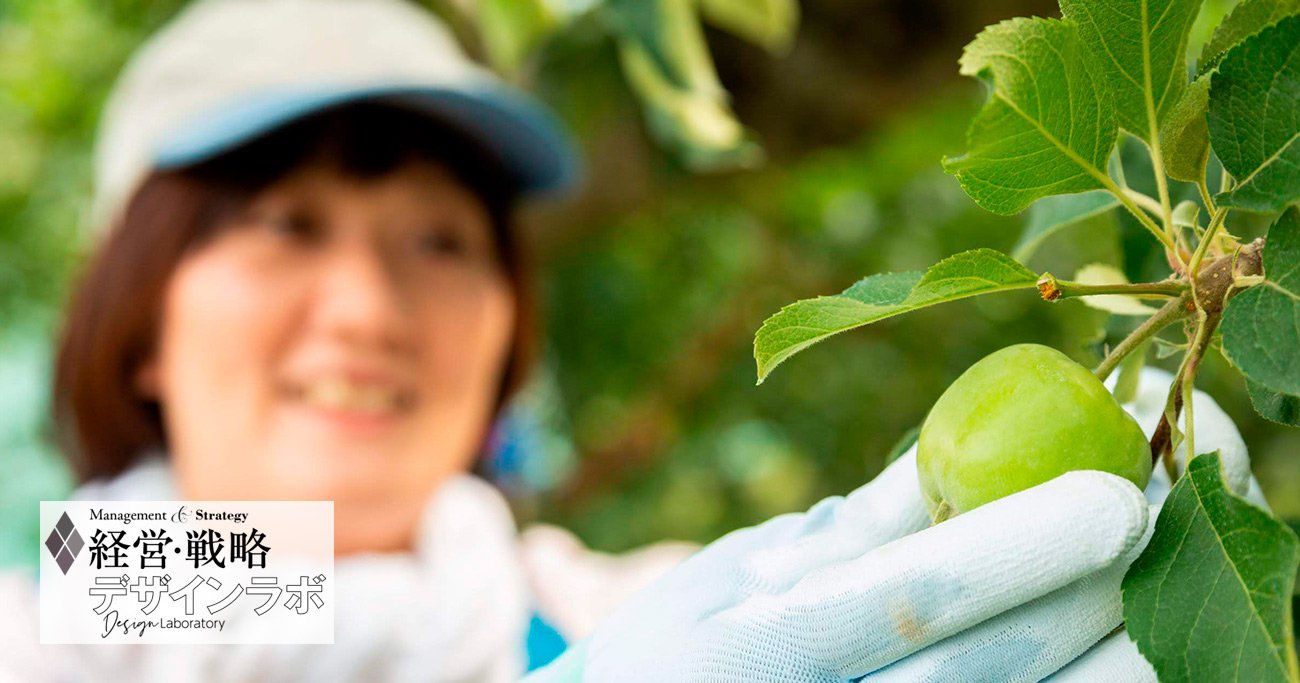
x=511, y=29
x=1255, y=119
x=1209, y=599
x=770, y=23
x=668, y=65
x=697, y=124
x=876, y=297
x=1247, y=19
x=1185, y=136
x=1186, y=215
x=1050, y=214
x=1271, y=405
x=1207, y=21
x=1047, y=127
x=1139, y=48
x=1261, y=326
x=670, y=34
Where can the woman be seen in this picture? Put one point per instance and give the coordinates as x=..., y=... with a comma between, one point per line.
x=310, y=288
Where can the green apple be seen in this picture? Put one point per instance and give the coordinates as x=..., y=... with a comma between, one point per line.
x=1018, y=418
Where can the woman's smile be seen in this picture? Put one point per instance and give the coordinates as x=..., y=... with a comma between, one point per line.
x=352, y=401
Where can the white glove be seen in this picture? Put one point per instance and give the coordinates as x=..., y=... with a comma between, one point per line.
x=859, y=587
x=1114, y=659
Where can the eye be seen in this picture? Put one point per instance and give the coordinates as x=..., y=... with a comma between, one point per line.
x=442, y=241
x=294, y=225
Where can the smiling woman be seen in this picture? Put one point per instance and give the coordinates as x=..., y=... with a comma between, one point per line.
x=333, y=310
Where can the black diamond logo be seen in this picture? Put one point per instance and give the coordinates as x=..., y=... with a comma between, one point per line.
x=64, y=543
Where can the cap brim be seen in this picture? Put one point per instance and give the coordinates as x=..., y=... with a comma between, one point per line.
x=527, y=138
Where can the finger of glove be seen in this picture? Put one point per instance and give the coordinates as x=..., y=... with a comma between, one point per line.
x=854, y=617
x=886, y=508
x=1115, y=658
x=1215, y=431
x=1031, y=641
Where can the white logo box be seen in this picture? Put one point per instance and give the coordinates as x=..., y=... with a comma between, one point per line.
x=124, y=572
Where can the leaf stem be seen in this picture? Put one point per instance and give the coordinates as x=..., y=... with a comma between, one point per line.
x=1138, y=213
x=1206, y=198
x=1143, y=200
x=1173, y=311
x=1216, y=221
x=1053, y=289
x=1162, y=183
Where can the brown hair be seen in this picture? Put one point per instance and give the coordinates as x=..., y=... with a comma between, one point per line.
x=102, y=420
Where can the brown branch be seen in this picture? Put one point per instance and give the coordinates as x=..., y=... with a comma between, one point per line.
x=1213, y=287
x=1214, y=281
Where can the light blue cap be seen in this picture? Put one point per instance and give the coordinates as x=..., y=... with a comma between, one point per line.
x=224, y=72
x=527, y=139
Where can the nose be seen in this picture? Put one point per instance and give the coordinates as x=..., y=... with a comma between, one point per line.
x=361, y=297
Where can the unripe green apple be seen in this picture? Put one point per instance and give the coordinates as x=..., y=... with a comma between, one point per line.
x=1017, y=418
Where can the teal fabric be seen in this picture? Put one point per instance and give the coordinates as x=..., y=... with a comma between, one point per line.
x=567, y=668
x=544, y=643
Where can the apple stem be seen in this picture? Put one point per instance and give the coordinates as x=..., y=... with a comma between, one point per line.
x=1173, y=311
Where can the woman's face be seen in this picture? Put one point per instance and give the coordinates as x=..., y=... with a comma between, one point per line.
x=340, y=340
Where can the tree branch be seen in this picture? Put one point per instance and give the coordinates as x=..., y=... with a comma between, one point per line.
x=1171, y=312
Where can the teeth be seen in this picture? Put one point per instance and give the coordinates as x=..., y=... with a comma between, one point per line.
x=340, y=394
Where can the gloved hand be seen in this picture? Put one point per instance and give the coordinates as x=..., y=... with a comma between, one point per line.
x=860, y=587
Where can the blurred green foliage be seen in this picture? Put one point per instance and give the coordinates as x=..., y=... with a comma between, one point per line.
x=654, y=278
x=57, y=61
